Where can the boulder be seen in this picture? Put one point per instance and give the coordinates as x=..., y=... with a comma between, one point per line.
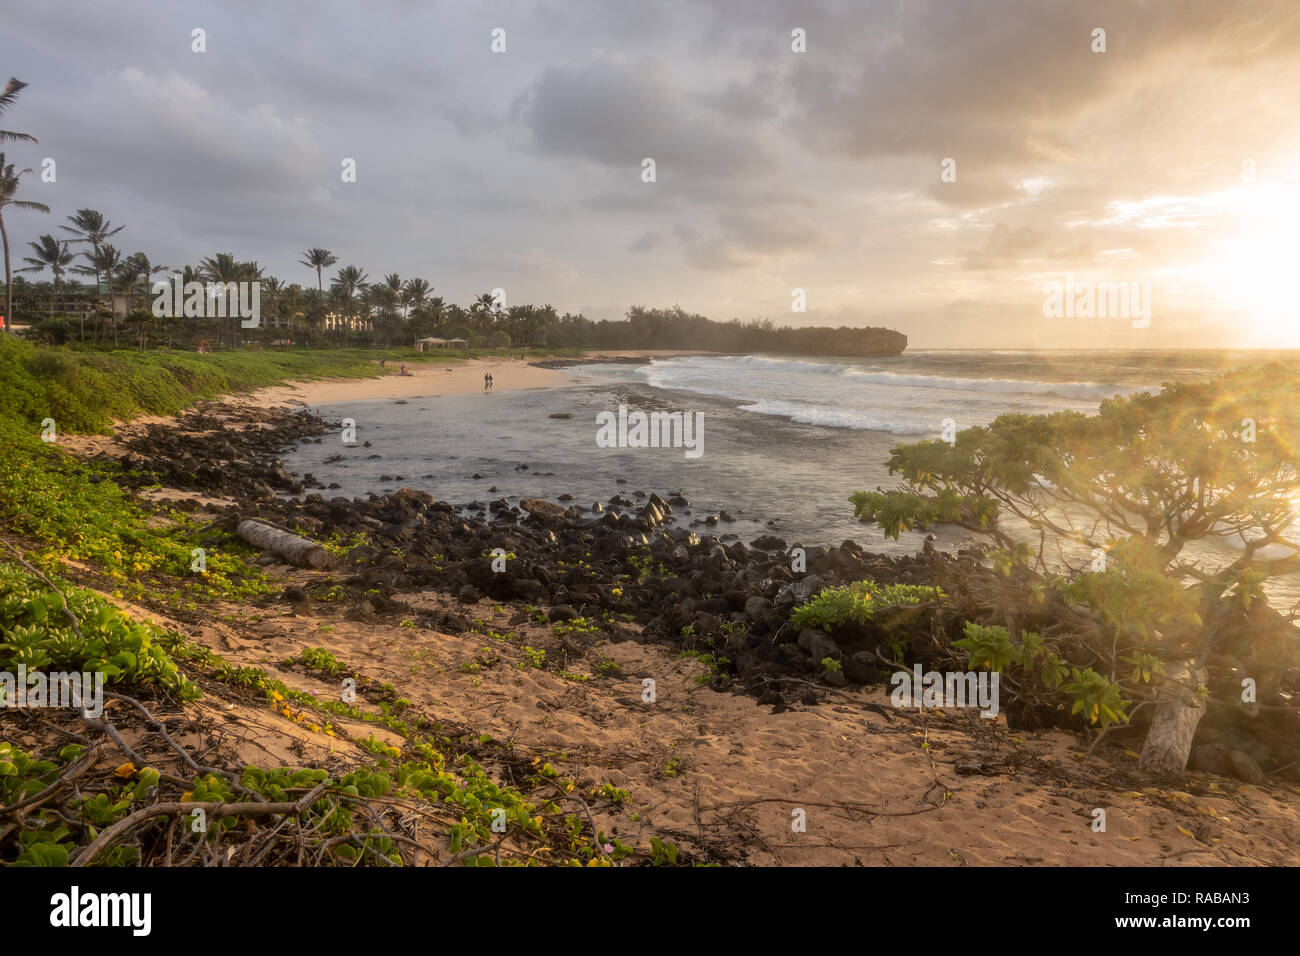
x=545, y=511
x=818, y=644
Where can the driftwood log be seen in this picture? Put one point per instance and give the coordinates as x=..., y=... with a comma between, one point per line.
x=297, y=550
x=1169, y=739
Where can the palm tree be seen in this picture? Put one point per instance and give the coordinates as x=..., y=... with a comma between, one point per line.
x=414, y=293
x=8, y=186
x=223, y=268
x=89, y=225
x=106, y=261
x=7, y=99
x=272, y=287
x=319, y=259
x=52, y=254
x=312, y=315
x=137, y=267
x=349, y=281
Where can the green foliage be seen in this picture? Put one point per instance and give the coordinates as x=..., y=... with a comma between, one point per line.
x=645, y=566
x=85, y=391
x=611, y=793
x=662, y=852
x=1095, y=696
x=1145, y=667
x=896, y=512
x=892, y=605
x=82, y=514
x=1134, y=597
x=38, y=634
x=578, y=625
x=317, y=658
x=1107, y=506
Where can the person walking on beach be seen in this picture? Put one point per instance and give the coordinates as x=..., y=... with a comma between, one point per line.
x=487, y=381
x=491, y=382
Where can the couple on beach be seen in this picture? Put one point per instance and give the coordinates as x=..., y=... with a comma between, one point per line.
x=487, y=381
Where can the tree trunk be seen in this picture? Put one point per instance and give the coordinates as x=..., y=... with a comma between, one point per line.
x=1169, y=740
x=9, y=287
x=299, y=551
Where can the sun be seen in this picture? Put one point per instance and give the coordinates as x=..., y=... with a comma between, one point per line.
x=1255, y=268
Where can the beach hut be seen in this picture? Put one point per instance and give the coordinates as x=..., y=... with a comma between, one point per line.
x=423, y=345
x=457, y=343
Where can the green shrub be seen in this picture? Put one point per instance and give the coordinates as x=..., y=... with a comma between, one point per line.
x=890, y=605
x=38, y=634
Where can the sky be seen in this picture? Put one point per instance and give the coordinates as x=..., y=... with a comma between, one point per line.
x=1171, y=158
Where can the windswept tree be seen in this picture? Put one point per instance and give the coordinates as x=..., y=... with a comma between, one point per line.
x=1133, y=550
x=52, y=254
x=91, y=226
x=222, y=269
x=9, y=182
x=7, y=100
x=103, y=261
x=137, y=268
x=319, y=259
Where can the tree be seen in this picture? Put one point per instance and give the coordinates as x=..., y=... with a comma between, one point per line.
x=224, y=268
x=311, y=319
x=319, y=259
x=89, y=225
x=137, y=267
x=349, y=281
x=1131, y=546
x=104, y=260
x=52, y=254
x=7, y=100
x=414, y=294
x=9, y=182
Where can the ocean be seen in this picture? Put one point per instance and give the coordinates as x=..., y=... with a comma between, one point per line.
x=786, y=441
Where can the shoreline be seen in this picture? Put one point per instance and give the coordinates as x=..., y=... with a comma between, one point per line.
x=462, y=377
x=550, y=653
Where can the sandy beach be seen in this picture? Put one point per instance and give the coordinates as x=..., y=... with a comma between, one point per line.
x=424, y=381
x=427, y=381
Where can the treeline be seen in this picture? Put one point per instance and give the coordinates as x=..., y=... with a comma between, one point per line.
x=676, y=328
x=358, y=314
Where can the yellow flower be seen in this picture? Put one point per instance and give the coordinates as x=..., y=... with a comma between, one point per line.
x=125, y=770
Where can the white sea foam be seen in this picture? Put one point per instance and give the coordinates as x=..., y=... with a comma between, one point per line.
x=839, y=393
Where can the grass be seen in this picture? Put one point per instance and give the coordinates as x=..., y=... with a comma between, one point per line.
x=86, y=390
